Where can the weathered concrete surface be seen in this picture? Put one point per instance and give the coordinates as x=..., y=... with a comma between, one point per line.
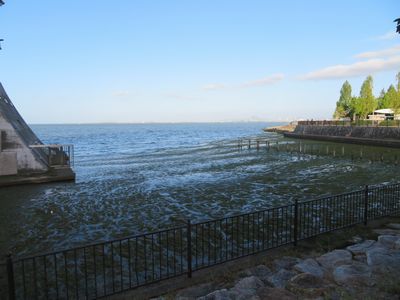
x=8, y=163
x=20, y=163
x=16, y=136
x=363, y=135
x=54, y=175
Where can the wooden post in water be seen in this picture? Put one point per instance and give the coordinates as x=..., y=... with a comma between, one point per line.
x=258, y=145
x=249, y=144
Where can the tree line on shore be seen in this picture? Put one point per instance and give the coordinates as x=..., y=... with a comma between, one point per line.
x=358, y=108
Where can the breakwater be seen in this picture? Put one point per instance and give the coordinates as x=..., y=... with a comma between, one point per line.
x=318, y=149
x=363, y=135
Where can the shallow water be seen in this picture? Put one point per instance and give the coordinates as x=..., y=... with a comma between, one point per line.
x=137, y=178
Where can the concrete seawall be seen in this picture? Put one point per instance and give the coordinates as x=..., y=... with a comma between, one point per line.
x=377, y=136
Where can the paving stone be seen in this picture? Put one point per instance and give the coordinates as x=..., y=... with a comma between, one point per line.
x=360, y=258
x=306, y=285
x=394, y=226
x=335, y=258
x=388, y=240
x=384, y=260
x=310, y=266
x=261, y=271
x=223, y=294
x=251, y=282
x=280, y=278
x=361, y=248
x=275, y=294
x=286, y=262
x=387, y=231
x=356, y=274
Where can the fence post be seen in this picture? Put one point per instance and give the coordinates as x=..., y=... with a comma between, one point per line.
x=366, y=205
x=295, y=221
x=189, y=248
x=10, y=278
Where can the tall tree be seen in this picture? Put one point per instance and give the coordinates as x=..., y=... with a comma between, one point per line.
x=366, y=103
x=398, y=82
x=389, y=100
x=380, y=98
x=352, y=108
x=343, y=105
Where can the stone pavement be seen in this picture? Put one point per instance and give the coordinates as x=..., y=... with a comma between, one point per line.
x=369, y=269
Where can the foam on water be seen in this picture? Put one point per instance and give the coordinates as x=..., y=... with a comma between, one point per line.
x=137, y=178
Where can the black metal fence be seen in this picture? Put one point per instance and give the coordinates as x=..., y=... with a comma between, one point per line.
x=103, y=269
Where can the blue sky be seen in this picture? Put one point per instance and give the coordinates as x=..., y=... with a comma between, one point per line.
x=192, y=61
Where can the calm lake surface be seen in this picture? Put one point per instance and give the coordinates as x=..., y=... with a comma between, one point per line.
x=136, y=178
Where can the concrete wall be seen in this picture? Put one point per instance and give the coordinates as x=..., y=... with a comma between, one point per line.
x=13, y=146
x=382, y=133
x=8, y=163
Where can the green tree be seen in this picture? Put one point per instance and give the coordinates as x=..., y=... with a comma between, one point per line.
x=389, y=100
x=352, y=114
x=398, y=82
x=380, y=98
x=366, y=103
x=343, y=105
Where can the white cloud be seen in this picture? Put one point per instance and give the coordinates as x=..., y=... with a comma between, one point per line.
x=390, y=35
x=264, y=81
x=214, y=86
x=356, y=69
x=254, y=83
x=395, y=50
x=121, y=93
x=179, y=96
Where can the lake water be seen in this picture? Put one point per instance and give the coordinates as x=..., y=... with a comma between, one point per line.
x=141, y=177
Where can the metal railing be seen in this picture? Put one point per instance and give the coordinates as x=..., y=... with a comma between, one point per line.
x=111, y=267
x=364, y=123
x=57, y=154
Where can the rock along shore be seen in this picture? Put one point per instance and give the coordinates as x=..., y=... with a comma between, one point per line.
x=368, y=269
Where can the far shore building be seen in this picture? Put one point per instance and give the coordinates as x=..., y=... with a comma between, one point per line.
x=23, y=157
x=382, y=114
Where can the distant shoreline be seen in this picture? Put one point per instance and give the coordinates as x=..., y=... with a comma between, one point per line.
x=163, y=123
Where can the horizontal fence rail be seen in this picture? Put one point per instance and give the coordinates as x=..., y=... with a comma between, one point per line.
x=368, y=123
x=321, y=149
x=104, y=269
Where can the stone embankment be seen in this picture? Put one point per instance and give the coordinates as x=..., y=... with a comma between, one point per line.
x=378, y=136
x=369, y=269
x=281, y=129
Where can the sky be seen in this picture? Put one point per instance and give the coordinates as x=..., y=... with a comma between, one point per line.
x=192, y=61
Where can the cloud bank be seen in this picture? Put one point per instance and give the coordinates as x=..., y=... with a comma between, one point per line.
x=264, y=81
x=375, y=61
x=395, y=50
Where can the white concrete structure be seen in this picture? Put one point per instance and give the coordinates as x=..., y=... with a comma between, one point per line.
x=15, y=138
